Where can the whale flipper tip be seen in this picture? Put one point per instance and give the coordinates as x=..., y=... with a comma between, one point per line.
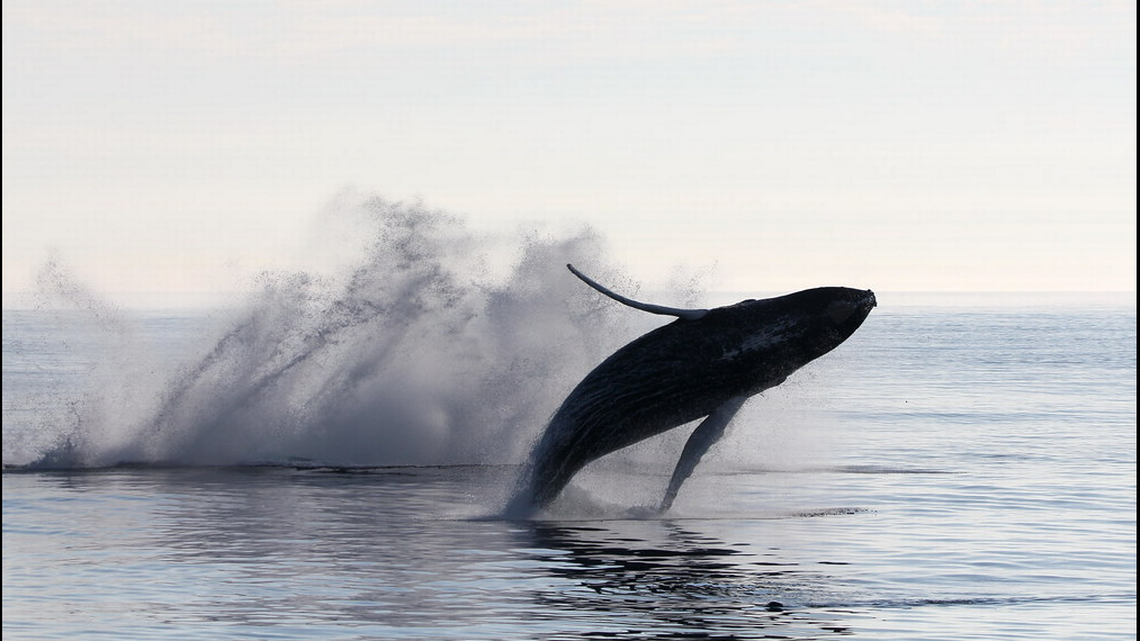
x=684, y=314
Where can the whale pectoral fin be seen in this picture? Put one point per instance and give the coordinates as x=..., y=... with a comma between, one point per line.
x=708, y=432
x=684, y=314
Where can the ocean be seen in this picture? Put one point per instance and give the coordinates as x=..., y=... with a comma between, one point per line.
x=334, y=465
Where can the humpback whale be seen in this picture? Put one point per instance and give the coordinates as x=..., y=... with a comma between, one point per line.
x=706, y=363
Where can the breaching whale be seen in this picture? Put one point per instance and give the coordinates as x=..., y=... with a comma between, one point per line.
x=706, y=363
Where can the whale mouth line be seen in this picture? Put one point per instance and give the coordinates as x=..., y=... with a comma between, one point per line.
x=839, y=311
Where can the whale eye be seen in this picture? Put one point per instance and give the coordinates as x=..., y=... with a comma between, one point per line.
x=840, y=310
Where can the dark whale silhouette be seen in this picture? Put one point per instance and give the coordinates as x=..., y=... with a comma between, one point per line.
x=706, y=363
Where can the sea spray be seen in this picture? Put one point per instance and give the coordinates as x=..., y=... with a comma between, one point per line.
x=70, y=338
x=411, y=351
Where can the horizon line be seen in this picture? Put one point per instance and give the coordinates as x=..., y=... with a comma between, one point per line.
x=24, y=300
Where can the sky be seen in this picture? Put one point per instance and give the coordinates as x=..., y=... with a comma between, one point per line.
x=898, y=145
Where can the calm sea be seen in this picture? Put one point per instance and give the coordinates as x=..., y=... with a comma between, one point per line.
x=961, y=469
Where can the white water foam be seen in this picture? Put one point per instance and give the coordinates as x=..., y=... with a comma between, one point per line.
x=407, y=350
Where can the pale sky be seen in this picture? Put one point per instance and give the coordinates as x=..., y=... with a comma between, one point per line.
x=898, y=145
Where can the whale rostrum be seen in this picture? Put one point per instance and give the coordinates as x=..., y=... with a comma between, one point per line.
x=705, y=364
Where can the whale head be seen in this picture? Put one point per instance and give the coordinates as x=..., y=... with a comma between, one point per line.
x=777, y=336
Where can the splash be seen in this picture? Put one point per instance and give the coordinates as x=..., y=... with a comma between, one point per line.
x=409, y=350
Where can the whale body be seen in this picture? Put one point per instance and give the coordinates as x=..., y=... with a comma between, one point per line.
x=706, y=363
